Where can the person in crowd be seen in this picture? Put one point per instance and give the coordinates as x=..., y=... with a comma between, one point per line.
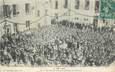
x=59, y=45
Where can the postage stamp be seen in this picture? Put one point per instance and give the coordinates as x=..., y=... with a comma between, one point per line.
x=107, y=9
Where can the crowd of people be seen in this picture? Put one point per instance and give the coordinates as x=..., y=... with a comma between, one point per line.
x=58, y=45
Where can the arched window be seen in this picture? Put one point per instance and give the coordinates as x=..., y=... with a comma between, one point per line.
x=97, y=6
x=27, y=8
x=87, y=3
x=14, y=6
x=66, y=4
x=77, y=4
x=56, y=4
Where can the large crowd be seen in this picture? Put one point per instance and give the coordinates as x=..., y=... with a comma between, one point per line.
x=58, y=45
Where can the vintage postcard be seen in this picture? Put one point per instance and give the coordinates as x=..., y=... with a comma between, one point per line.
x=57, y=35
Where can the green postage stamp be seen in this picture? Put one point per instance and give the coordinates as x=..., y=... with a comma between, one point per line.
x=107, y=9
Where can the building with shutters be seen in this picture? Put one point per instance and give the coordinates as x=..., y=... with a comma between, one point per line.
x=20, y=15
x=24, y=15
x=79, y=11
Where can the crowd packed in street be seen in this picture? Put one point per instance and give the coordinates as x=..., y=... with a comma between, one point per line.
x=58, y=45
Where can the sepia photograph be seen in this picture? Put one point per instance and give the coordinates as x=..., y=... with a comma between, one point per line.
x=57, y=33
